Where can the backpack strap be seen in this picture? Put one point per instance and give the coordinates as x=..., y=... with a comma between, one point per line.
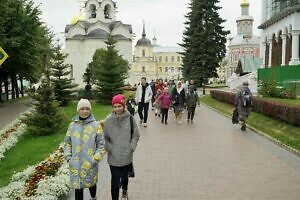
x=131, y=127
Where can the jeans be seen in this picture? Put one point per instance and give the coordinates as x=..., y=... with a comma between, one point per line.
x=143, y=107
x=119, y=176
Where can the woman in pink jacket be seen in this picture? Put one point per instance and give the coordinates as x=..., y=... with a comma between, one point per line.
x=165, y=100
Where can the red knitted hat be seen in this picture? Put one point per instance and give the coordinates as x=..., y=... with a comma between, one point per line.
x=119, y=98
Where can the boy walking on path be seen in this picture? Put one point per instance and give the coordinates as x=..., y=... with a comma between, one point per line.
x=243, y=102
x=143, y=97
x=191, y=102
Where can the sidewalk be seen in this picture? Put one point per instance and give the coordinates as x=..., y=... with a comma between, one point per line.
x=10, y=111
x=210, y=159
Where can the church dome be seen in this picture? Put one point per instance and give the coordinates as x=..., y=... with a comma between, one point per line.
x=143, y=42
x=77, y=18
x=245, y=3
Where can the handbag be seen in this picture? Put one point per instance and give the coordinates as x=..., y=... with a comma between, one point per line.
x=131, y=172
x=235, y=116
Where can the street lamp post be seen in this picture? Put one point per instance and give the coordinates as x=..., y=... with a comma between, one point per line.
x=203, y=77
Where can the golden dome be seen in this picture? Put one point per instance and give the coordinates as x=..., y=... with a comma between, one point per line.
x=77, y=18
x=245, y=3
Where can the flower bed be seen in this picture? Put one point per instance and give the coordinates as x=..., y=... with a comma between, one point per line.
x=276, y=110
x=9, y=135
x=48, y=180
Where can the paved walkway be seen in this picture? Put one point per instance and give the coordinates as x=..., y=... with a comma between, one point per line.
x=10, y=111
x=210, y=159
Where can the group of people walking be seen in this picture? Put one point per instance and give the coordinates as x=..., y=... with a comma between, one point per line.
x=165, y=96
x=87, y=140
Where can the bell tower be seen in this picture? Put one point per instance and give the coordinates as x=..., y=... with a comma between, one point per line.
x=104, y=11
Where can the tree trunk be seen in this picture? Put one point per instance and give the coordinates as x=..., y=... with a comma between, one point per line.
x=12, y=82
x=16, y=86
x=6, y=87
x=22, y=87
x=1, y=100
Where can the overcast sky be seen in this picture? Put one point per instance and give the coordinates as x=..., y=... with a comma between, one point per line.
x=166, y=17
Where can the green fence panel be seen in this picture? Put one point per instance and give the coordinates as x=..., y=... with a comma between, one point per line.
x=285, y=76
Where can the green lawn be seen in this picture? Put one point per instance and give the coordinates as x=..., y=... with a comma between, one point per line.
x=30, y=149
x=286, y=133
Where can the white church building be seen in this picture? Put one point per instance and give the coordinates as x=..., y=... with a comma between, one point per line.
x=88, y=32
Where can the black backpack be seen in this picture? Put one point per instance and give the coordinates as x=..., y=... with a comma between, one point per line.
x=130, y=107
x=246, y=99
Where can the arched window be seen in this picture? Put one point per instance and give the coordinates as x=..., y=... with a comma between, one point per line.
x=178, y=58
x=166, y=69
x=143, y=69
x=160, y=69
x=93, y=11
x=160, y=59
x=143, y=53
x=172, y=58
x=166, y=58
x=107, y=11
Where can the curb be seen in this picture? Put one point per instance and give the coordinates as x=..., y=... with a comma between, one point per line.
x=273, y=140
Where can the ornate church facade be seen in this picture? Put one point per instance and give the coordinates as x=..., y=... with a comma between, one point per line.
x=88, y=32
x=245, y=43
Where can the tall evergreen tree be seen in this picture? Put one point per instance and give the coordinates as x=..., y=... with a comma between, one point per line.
x=62, y=83
x=204, y=39
x=46, y=118
x=109, y=71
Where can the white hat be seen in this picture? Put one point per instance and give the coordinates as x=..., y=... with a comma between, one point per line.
x=84, y=103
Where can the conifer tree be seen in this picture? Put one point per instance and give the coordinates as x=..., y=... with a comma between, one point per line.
x=109, y=71
x=62, y=83
x=204, y=39
x=46, y=117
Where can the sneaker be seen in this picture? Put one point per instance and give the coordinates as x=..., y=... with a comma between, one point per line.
x=124, y=195
x=166, y=123
x=155, y=114
x=162, y=122
x=158, y=115
x=145, y=124
x=188, y=121
x=141, y=122
x=180, y=122
x=94, y=198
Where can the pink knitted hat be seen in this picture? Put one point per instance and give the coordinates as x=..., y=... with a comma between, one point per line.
x=119, y=98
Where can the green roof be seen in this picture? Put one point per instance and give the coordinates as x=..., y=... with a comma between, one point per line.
x=250, y=64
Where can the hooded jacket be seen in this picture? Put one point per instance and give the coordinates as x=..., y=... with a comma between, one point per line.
x=84, y=147
x=118, y=141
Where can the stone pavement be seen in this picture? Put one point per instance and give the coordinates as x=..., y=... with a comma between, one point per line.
x=210, y=159
x=10, y=111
